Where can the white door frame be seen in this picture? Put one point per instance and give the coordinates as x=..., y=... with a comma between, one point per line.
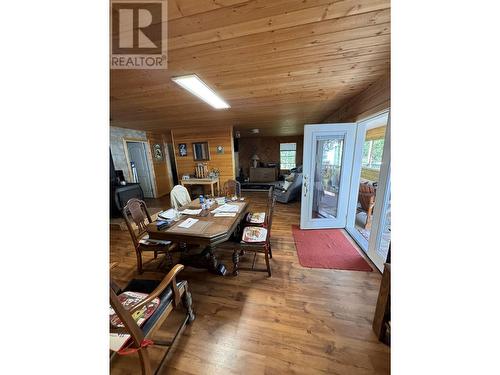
x=355, y=178
x=311, y=132
x=381, y=201
x=149, y=156
x=383, y=192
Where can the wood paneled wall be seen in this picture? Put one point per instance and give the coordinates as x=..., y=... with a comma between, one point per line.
x=161, y=169
x=215, y=136
x=375, y=98
x=268, y=150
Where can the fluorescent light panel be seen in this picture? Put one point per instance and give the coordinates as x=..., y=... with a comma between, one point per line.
x=196, y=86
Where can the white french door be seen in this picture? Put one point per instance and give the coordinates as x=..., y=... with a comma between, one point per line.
x=375, y=241
x=378, y=247
x=327, y=165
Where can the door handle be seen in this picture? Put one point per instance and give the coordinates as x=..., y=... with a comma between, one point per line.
x=305, y=186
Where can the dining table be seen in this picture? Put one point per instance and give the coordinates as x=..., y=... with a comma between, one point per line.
x=210, y=229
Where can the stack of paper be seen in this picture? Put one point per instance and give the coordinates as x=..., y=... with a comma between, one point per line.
x=227, y=208
x=169, y=214
x=188, y=223
x=188, y=211
x=225, y=214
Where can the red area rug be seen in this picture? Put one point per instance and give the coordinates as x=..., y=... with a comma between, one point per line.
x=327, y=248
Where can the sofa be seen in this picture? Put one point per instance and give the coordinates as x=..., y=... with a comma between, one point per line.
x=284, y=193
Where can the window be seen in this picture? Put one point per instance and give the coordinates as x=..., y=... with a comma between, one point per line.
x=288, y=152
x=372, y=153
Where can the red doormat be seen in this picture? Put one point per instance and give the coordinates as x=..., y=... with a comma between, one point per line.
x=327, y=248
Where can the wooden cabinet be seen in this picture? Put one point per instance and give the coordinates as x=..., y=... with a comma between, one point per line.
x=263, y=174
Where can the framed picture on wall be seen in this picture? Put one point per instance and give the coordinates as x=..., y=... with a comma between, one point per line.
x=157, y=152
x=183, y=149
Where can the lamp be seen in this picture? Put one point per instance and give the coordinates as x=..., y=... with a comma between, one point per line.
x=255, y=159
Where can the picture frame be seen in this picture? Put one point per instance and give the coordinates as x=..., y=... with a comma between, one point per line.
x=183, y=149
x=157, y=152
x=201, y=151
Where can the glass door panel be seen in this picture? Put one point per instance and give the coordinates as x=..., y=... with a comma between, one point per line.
x=385, y=236
x=328, y=168
x=365, y=181
x=328, y=155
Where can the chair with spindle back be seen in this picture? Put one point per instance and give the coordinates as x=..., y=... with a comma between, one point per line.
x=135, y=213
x=257, y=240
x=231, y=188
x=170, y=293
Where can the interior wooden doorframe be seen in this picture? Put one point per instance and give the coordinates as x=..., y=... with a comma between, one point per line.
x=149, y=156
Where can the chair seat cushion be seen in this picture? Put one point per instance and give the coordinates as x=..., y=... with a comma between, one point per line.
x=256, y=218
x=254, y=235
x=148, y=286
x=147, y=241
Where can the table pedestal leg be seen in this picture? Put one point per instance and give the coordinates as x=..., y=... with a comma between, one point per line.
x=206, y=259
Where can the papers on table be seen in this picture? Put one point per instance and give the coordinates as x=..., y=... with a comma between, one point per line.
x=167, y=215
x=188, y=223
x=227, y=208
x=188, y=211
x=225, y=214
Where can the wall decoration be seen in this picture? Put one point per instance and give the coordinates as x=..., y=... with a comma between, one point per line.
x=183, y=151
x=220, y=149
x=201, y=151
x=157, y=152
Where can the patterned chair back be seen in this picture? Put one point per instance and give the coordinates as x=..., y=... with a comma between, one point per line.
x=136, y=212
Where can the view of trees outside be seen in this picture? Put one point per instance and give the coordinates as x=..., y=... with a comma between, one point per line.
x=372, y=153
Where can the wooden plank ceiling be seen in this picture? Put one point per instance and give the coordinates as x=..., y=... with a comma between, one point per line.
x=280, y=64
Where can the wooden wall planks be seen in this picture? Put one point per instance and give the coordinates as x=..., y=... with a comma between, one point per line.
x=375, y=98
x=215, y=136
x=268, y=150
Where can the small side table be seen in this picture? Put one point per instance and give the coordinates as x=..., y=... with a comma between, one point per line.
x=203, y=181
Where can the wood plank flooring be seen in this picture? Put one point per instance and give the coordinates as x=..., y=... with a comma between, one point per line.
x=299, y=321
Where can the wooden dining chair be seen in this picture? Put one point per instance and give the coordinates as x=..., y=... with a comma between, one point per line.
x=256, y=239
x=170, y=294
x=259, y=218
x=136, y=212
x=231, y=188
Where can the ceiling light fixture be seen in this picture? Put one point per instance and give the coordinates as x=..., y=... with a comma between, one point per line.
x=196, y=86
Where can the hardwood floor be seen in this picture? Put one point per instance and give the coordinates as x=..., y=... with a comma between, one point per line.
x=299, y=321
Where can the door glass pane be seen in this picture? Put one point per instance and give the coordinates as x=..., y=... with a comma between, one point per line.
x=373, y=149
x=327, y=172
x=385, y=238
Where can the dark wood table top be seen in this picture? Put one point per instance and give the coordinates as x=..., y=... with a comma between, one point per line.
x=209, y=230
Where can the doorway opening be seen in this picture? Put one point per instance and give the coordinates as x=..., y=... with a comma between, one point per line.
x=346, y=182
x=139, y=166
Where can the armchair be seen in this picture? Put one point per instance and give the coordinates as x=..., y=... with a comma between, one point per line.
x=292, y=192
x=366, y=199
x=171, y=293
